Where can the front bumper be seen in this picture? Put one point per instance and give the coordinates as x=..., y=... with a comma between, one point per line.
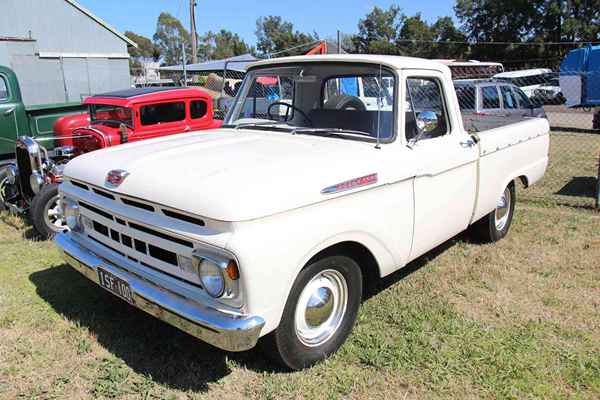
x=226, y=331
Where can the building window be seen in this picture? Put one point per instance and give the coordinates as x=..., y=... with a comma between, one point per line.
x=198, y=109
x=162, y=113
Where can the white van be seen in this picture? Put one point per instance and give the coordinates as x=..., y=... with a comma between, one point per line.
x=527, y=79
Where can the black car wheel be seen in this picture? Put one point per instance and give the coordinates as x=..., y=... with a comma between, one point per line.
x=319, y=313
x=45, y=212
x=496, y=224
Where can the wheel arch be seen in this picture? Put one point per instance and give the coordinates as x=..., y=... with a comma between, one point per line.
x=374, y=259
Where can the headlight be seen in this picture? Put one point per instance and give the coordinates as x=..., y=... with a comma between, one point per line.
x=211, y=276
x=218, y=274
x=70, y=214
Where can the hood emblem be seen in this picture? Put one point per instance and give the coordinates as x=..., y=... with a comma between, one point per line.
x=351, y=184
x=115, y=177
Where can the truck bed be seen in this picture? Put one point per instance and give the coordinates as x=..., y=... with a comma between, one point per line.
x=516, y=150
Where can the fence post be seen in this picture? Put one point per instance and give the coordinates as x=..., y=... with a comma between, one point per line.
x=598, y=186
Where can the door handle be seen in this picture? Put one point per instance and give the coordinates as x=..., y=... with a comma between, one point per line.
x=9, y=111
x=468, y=143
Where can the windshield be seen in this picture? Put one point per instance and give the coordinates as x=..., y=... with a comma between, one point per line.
x=318, y=98
x=110, y=115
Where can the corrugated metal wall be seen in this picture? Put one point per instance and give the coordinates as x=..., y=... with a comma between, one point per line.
x=59, y=27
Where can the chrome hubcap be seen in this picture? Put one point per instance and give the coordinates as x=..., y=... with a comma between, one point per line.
x=321, y=308
x=503, y=210
x=52, y=215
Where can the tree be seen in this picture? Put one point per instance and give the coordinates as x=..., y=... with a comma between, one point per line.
x=378, y=31
x=275, y=35
x=415, y=38
x=223, y=44
x=146, y=48
x=534, y=22
x=169, y=36
x=450, y=41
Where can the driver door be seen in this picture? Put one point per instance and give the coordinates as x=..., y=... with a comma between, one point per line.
x=445, y=182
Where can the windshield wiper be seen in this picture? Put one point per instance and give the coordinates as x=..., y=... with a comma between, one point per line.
x=255, y=124
x=331, y=132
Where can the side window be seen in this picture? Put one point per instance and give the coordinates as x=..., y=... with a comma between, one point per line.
x=523, y=99
x=371, y=87
x=510, y=101
x=490, y=97
x=422, y=95
x=198, y=109
x=466, y=97
x=162, y=113
x=3, y=89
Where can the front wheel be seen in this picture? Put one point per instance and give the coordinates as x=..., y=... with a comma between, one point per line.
x=45, y=212
x=496, y=224
x=8, y=191
x=319, y=313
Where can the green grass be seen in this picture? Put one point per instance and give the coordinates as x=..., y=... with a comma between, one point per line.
x=517, y=319
x=572, y=172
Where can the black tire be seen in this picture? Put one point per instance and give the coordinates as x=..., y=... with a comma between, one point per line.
x=345, y=102
x=487, y=229
x=284, y=345
x=39, y=211
x=3, y=186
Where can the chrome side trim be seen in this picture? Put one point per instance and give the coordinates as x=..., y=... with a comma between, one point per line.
x=226, y=331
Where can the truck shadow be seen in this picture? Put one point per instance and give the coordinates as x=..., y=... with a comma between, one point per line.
x=580, y=186
x=147, y=345
x=153, y=348
x=414, y=266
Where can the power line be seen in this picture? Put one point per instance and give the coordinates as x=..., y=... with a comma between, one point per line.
x=496, y=43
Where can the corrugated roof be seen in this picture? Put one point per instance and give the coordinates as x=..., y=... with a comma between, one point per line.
x=102, y=22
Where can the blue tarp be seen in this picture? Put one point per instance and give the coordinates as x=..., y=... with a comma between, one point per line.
x=585, y=63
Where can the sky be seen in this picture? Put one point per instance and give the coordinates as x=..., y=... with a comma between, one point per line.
x=323, y=16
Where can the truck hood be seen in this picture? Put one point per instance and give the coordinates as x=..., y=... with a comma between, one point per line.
x=232, y=175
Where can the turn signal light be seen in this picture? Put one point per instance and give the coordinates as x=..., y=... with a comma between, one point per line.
x=232, y=270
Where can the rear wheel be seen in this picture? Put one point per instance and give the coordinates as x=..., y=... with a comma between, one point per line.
x=45, y=212
x=496, y=224
x=319, y=313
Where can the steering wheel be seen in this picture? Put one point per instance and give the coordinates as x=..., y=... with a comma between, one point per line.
x=287, y=113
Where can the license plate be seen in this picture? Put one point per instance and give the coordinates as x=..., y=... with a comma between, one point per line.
x=115, y=285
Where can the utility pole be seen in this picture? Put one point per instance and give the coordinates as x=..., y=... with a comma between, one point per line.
x=183, y=63
x=193, y=31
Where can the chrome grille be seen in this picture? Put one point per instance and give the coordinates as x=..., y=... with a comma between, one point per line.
x=24, y=166
x=146, y=246
x=142, y=205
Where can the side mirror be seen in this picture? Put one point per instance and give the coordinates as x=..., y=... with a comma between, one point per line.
x=427, y=121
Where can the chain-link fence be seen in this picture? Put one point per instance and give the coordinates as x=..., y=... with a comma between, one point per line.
x=539, y=88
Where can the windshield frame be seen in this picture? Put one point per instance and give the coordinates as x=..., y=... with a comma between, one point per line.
x=93, y=120
x=388, y=70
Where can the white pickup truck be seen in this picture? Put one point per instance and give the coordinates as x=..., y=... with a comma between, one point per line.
x=272, y=226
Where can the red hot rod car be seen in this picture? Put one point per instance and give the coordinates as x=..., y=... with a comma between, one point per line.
x=31, y=183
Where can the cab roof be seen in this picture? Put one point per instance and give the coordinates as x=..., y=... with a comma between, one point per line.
x=394, y=62
x=129, y=97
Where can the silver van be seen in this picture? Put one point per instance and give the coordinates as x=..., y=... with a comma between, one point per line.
x=488, y=104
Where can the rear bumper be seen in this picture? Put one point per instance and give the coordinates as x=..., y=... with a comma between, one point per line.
x=226, y=331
